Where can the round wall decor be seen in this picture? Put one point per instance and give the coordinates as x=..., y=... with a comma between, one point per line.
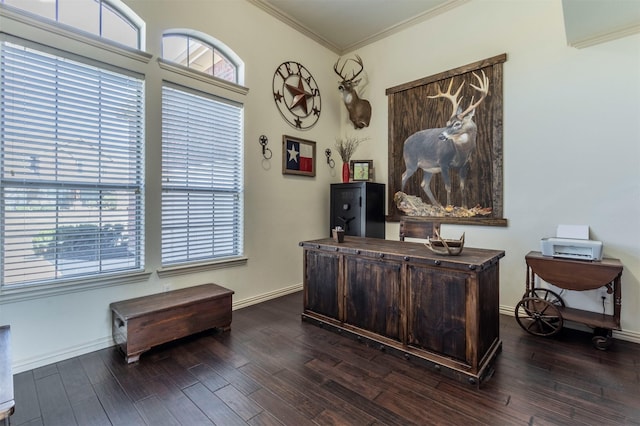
x=296, y=95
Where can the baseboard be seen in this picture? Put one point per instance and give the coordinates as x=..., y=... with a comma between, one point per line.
x=26, y=364
x=105, y=342
x=30, y=363
x=628, y=336
x=267, y=296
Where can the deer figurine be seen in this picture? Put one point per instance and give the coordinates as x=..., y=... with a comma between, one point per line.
x=359, y=109
x=441, y=149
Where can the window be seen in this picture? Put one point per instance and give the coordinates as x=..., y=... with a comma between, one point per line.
x=202, y=186
x=195, y=53
x=111, y=20
x=71, y=168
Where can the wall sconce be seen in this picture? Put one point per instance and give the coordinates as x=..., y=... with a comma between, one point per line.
x=330, y=161
x=266, y=152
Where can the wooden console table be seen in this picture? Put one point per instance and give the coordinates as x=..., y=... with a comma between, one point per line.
x=441, y=311
x=7, y=403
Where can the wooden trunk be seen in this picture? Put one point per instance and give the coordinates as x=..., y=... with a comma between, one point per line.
x=442, y=311
x=141, y=323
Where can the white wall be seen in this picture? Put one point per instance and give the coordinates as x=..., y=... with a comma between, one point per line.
x=571, y=153
x=571, y=132
x=280, y=210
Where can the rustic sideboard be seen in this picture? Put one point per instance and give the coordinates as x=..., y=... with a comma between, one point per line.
x=440, y=311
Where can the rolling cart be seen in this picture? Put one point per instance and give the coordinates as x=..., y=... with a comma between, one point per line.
x=542, y=312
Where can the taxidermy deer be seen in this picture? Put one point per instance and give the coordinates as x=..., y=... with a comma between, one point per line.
x=359, y=109
x=439, y=150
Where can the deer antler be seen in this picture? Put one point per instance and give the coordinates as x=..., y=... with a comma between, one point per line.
x=483, y=89
x=358, y=60
x=452, y=97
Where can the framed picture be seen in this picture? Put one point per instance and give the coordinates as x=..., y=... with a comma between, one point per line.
x=298, y=156
x=362, y=170
x=468, y=190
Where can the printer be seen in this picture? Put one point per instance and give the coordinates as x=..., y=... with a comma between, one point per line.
x=572, y=242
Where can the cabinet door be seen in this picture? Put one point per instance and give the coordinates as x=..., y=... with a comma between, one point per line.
x=321, y=283
x=437, y=311
x=346, y=208
x=372, y=295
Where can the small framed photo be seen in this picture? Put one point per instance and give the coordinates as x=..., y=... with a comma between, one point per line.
x=362, y=170
x=298, y=156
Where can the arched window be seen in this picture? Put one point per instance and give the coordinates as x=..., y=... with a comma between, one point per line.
x=109, y=19
x=203, y=53
x=202, y=152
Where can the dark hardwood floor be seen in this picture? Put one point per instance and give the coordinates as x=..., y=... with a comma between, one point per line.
x=273, y=369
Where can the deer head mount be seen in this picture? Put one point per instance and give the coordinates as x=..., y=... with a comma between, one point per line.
x=440, y=149
x=359, y=109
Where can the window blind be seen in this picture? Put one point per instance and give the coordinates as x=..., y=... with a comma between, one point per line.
x=202, y=178
x=71, y=168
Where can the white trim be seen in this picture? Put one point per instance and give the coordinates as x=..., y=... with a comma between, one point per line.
x=20, y=293
x=267, y=296
x=297, y=25
x=214, y=43
x=605, y=37
x=202, y=77
x=74, y=35
x=26, y=364
x=191, y=268
x=52, y=357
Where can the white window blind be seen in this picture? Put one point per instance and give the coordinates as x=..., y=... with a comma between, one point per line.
x=71, y=168
x=202, y=185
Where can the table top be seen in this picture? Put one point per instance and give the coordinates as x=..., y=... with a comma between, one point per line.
x=470, y=259
x=574, y=274
x=6, y=376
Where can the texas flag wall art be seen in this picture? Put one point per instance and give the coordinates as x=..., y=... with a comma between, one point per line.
x=298, y=156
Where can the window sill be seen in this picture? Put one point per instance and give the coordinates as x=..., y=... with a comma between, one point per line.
x=190, y=268
x=27, y=292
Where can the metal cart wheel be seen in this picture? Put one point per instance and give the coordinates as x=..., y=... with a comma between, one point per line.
x=538, y=316
x=602, y=339
x=545, y=294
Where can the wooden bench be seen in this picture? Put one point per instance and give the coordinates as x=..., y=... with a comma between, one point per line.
x=144, y=322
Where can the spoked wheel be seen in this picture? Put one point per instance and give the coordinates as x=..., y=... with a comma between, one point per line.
x=545, y=294
x=538, y=316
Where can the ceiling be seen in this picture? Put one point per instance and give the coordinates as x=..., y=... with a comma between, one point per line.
x=346, y=25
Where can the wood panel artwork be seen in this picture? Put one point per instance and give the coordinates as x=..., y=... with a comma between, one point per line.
x=474, y=92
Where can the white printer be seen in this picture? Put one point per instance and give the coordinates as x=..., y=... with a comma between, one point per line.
x=572, y=242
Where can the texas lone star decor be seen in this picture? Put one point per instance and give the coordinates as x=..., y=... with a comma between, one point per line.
x=296, y=95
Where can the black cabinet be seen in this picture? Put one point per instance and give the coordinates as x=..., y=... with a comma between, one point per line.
x=358, y=207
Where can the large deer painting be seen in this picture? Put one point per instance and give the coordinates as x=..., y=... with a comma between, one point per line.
x=448, y=155
x=442, y=149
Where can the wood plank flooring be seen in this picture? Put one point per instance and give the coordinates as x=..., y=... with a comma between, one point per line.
x=273, y=369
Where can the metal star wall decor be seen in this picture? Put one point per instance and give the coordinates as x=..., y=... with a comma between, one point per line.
x=296, y=95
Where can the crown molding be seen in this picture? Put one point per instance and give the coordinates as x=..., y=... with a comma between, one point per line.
x=341, y=50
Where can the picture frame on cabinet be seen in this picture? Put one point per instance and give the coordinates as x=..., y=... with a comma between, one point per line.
x=298, y=156
x=362, y=170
